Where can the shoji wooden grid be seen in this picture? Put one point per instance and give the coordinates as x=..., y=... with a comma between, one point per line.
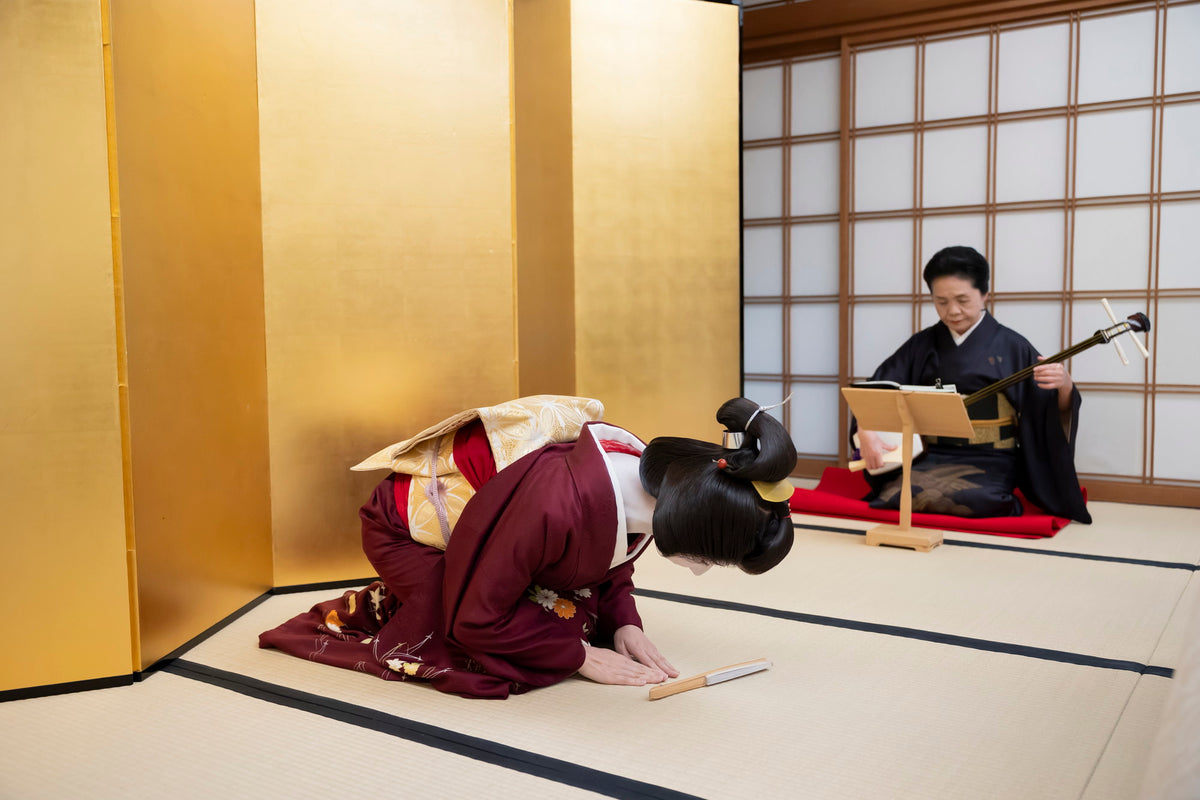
x=1112, y=210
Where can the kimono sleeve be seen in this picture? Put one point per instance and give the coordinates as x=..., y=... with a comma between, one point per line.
x=495, y=609
x=617, y=606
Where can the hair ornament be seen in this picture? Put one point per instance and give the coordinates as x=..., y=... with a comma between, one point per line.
x=722, y=463
x=766, y=408
x=774, y=491
x=731, y=440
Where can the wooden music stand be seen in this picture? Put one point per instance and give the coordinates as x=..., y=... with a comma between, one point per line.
x=937, y=413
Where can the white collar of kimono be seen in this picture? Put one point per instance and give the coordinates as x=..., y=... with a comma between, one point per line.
x=960, y=339
x=623, y=472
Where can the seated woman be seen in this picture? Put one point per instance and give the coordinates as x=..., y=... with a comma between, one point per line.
x=1024, y=437
x=504, y=540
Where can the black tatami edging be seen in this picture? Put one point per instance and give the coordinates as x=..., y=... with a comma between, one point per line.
x=1043, y=653
x=501, y=755
x=71, y=687
x=1037, y=551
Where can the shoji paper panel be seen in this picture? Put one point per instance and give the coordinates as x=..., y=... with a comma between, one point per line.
x=762, y=182
x=1181, y=157
x=814, y=344
x=884, y=82
x=1182, y=66
x=1031, y=159
x=883, y=256
x=816, y=103
x=1028, y=251
x=1112, y=247
x=762, y=109
x=762, y=250
x=879, y=328
x=1034, y=67
x=815, y=179
x=956, y=77
x=763, y=338
x=955, y=167
x=883, y=167
x=1113, y=153
x=814, y=257
x=812, y=406
x=1175, y=437
x=1111, y=434
x=1174, y=340
x=1178, y=245
x=1116, y=57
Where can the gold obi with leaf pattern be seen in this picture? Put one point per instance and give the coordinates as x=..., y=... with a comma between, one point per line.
x=438, y=492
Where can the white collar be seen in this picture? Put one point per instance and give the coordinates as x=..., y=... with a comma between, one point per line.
x=959, y=339
x=623, y=471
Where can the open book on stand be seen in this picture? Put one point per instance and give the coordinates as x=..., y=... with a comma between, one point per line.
x=892, y=459
x=904, y=387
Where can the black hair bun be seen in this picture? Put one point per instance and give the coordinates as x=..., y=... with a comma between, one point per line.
x=767, y=452
x=772, y=544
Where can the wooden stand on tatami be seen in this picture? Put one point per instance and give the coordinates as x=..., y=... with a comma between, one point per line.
x=934, y=413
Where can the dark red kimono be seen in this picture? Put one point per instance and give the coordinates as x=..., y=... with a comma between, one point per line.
x=532, y=571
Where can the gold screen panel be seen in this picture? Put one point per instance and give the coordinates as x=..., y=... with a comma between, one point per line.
x=187, y=161
x=387, y=246
x=61, y=509
x=656, y=185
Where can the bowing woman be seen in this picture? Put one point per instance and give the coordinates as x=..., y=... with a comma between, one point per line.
x=1024, y=437
x=505, y=537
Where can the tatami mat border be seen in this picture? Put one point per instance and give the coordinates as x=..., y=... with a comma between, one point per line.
x=1037, y=551
x=553, y=769
x=987, y=645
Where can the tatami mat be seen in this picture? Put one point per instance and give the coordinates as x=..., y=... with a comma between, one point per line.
x=1099, y=608
x=842, y=713
x=1015, y=669
x=170, y=737
x=1154, y=533
x=1118, y=775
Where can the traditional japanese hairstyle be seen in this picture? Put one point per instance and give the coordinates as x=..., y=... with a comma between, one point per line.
x=965, y=262
x=724, y=505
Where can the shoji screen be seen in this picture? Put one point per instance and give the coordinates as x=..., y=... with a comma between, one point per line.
x=791, y=131
x=1063, y=148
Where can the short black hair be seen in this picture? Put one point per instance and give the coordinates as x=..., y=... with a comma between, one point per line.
x=962, y=261
x=713, y=513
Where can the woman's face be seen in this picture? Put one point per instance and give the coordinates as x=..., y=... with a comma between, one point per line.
x=695, y=565
x=957, y=301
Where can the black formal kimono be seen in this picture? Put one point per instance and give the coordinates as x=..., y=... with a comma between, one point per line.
x=1021, y=438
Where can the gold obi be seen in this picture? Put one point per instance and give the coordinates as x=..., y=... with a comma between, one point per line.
x=438, y=492
x=995, y=422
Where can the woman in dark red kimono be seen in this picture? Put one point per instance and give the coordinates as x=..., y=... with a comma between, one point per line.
x=534, y=583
